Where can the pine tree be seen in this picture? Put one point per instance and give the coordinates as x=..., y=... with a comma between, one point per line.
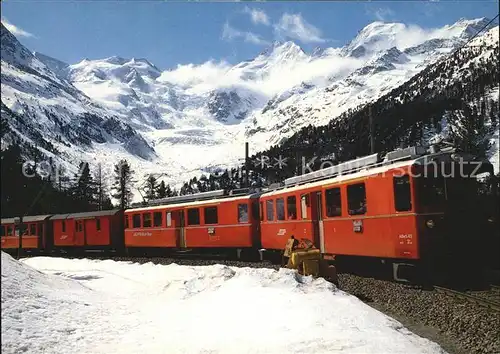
x=102, y=194
x=84, y=190
x=122, y=185
x=162, y=190
x=151, y=188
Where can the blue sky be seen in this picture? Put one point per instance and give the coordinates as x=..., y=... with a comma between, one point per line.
x=168, y=34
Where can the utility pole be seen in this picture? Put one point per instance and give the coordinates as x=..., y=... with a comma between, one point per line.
x=372, y=139
x=18, y=223
x=247, y=166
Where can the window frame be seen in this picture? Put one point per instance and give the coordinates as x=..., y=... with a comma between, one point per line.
x=32, y=227
x=350, y=201
x=169, y=218
x=136, y=217
x=339, y=195
x=304, y=205
x=155, y=219
x=98, y=224
x=270, y=207
x=9, y=231
x=188, y=219
x=281, y=201
x=211, y=222
x=406, y=177
x=240, y=221
x=150, y=220
x=294, y=204
x=63, y=225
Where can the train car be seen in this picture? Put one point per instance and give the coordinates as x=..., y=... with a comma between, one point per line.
x=99, y=230
x=34, y=232
x=402, y=210
x=210, y=220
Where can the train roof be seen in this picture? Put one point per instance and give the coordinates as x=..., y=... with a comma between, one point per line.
x=85, y=215
x=340, y=178
x=29, y=218
x=369, y=166
x=195, y=203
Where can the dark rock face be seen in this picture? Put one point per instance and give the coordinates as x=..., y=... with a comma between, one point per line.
x=223, y=104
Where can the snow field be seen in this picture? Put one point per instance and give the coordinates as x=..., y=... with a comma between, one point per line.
x=55, y=305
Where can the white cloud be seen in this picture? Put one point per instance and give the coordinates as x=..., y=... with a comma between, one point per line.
x=230, y=33
x=273, y=79
x=296, y=27
x=190, y=74
x=16, y=31
x=257, y=16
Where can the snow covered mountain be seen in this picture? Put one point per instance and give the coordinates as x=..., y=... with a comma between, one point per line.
x=46, y=111
x=195, y=118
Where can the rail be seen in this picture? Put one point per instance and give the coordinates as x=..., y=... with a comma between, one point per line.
x=458, y=294
x=495, y=287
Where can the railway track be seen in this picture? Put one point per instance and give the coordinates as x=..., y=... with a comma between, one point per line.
x=495, y=287
x=491, y=304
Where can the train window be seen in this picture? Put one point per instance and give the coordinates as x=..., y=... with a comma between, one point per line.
x=2, y=230
x=242, y=212
x=146, y=220
x=402, y=193
x=280, y=209
x=356, y=199
x=98, y=224
x=79, y=226
x=126, y=221
x=211, y=215
x=333, y=202
x=32, y=229
x=63, y=226
x=304, y=202
x=291, y=206
x=269, y=210
x=169, y=218
x=261, y=211
x=136, y=221
x=193, y=216
x=9, y=230
x=157, y=218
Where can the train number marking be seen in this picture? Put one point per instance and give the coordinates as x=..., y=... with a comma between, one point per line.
x=405, y=239
x=281, y=232
x=140, y=233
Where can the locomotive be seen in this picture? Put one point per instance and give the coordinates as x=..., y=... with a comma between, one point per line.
x=412, y=211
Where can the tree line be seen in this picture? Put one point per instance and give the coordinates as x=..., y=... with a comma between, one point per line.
x=39, y=188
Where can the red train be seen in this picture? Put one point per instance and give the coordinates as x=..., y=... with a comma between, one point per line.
x=412, y=207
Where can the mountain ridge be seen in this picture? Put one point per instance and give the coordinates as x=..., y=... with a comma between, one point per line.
x=213, y=108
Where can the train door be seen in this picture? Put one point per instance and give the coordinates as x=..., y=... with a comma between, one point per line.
x=317, y=218
x=80, y=233
x=181, y=232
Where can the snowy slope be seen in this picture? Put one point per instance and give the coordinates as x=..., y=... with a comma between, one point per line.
x=197, y=117
x=182, y=309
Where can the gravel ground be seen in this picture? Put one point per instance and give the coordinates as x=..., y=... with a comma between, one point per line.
x=491, y=295
x=459, y=326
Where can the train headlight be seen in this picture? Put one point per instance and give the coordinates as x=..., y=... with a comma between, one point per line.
x=430, y=224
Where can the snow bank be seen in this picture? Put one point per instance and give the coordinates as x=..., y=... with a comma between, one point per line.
x=179, y=309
